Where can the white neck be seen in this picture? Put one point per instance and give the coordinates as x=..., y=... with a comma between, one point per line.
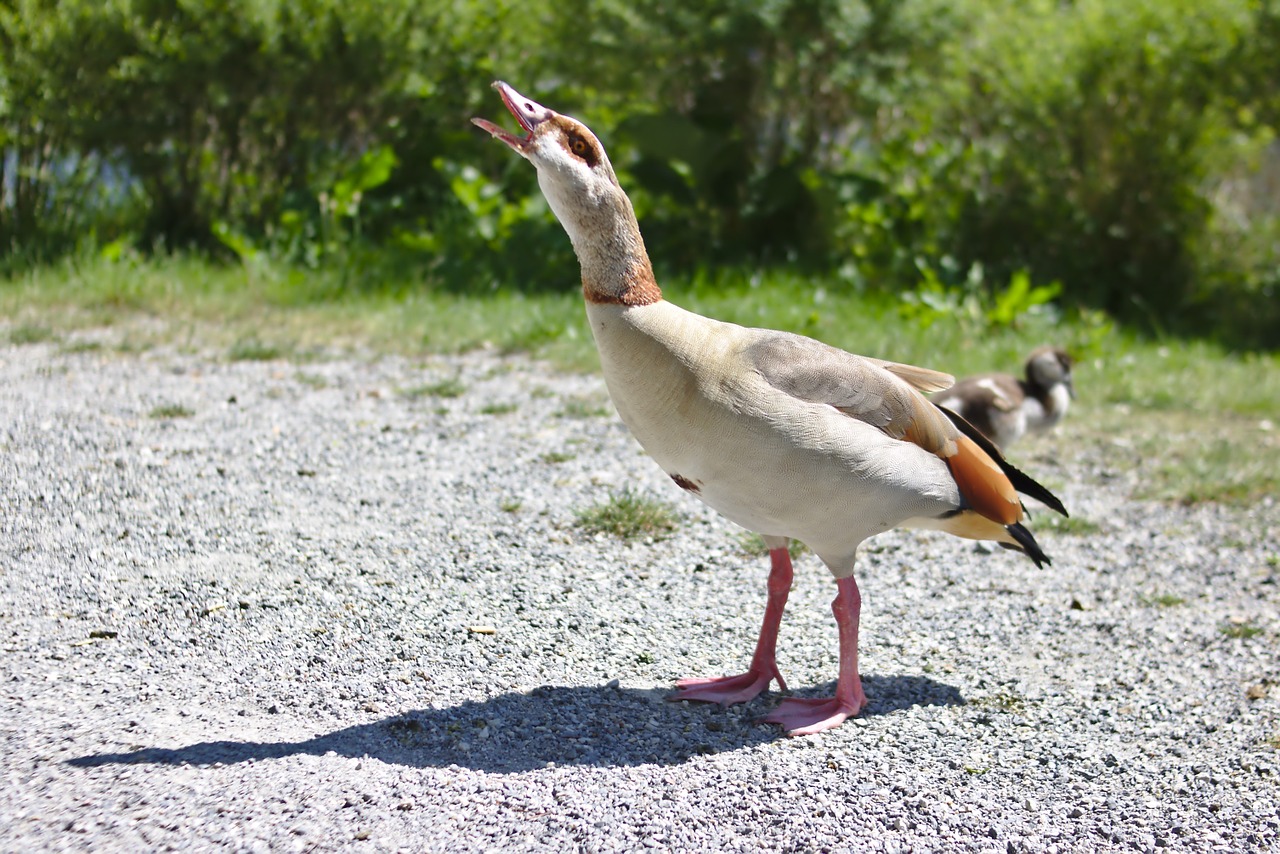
x=1041, y=416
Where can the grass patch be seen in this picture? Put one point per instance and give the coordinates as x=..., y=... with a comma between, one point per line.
x=252, y=349
x=583, y=408
x=1240, y=631
x=30, y=333
x=752, y=544
x=171, y=410
x=510, y=505
x=1071, y=526
x=629, y=515
x=1003, y=701
x=315, y=381
x=445, y=388
x=556, y=457
x=498, y=408
x=1162, y=600
x=82, y=346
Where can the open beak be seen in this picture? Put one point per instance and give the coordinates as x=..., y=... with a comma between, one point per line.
x=528, y=113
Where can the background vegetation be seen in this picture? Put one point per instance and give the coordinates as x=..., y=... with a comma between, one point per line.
x=1118, y=156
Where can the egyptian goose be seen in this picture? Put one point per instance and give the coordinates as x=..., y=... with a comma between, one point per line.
x=782, y=434
x=1004, y=407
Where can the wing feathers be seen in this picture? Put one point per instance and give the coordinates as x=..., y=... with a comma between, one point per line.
x=1021, y=482
x=921, y=379
x=887, y=395
x=983, y=484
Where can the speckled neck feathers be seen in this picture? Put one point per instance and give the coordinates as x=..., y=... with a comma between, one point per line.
x=615, y=264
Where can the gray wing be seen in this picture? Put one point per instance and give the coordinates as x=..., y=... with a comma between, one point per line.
x=882, y=394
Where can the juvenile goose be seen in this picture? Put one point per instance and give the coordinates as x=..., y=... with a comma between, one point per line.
x=782, y=434
x=1004, y=407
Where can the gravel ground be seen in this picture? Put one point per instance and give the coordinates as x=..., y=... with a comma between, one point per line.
x=321, y=607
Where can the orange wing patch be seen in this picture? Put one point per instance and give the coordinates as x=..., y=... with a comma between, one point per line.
x=983, y=484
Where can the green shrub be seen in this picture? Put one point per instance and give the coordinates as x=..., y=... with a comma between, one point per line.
x=934, y=147
x=1097, y=129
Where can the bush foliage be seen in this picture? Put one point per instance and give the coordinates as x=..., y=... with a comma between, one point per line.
x=1121, y=154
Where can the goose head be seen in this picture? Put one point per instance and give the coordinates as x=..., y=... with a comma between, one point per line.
x=573, y=170
x=1048, y=367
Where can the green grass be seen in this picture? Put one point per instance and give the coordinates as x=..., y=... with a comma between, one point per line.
x=251, y=349
x=1072, y=526
x=1197, y=422
x=171, y=410
x=1163, y=600
x=82, y=346
x=583, y=408
x=445, y=388
x=629, y=514
x=30, y=333
x=752, y=544
x=498, y=408
x=1241, y=631
x=555, y=457
x=1003, y=701
x=315, y=381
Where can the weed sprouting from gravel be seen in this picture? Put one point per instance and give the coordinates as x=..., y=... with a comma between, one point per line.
x=82, y=346
x=1163, y=600
x=555, y=457
x=583, y=407
x=171, y=410
x=445, y=388
x=498, y=408
x=751, y=543
x=1240, y=631
x=254, y=350
x=629, y=514
x=1073, y=526
x=315, y=381
x=30, y=333
x=1002, y=701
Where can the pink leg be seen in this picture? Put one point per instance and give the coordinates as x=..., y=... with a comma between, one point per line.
x=804, y=716
x=728, y=690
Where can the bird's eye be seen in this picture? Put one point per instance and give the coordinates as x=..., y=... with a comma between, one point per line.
x=582, y=148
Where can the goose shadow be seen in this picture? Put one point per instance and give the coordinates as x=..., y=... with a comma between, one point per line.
x=593, y=725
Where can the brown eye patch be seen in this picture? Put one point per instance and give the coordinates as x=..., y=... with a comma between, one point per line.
x=582, y=148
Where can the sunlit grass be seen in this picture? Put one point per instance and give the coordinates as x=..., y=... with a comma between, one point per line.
x=1072, y=526
x=171, y=410
x=30, y=333
x=752, y=544
x=1240, y=631
x=1163, y=600
x=1196, y=422
x=629, y=514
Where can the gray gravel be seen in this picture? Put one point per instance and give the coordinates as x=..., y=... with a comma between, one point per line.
x=254, y=627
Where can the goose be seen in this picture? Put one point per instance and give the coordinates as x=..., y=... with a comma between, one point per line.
x=1004, y=407
x=782, y=434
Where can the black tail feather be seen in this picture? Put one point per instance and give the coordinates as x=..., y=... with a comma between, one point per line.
x=1021, y=481
x=1028, y=543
